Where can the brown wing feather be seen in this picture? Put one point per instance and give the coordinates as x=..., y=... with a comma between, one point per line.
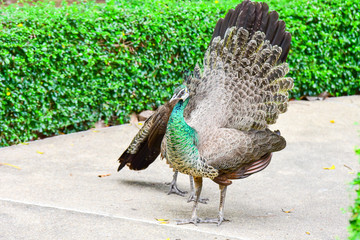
x=145, y=147
x=245, y=171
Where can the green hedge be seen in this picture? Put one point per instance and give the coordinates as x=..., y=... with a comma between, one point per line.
x=354, y=228
x=325, y=53
x=63, y=69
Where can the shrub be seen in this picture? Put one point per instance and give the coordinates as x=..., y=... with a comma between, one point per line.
x=63, y=69
x=326, y=45
x=66, y=68
x=354, y=229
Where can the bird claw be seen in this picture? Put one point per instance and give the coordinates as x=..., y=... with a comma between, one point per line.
x=174, y=189
x=194, y=221
x=192, y=198
x=217, y=220
x=197, y=220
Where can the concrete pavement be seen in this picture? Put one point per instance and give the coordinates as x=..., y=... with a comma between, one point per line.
x=57, y=193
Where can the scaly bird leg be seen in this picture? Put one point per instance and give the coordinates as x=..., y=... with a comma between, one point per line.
x=220, y=218
x=194, y=218
x=173, y=186
x=192, y=193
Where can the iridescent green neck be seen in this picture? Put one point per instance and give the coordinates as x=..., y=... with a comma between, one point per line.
x=181, y=146
x=177, y=124
x=177, y=115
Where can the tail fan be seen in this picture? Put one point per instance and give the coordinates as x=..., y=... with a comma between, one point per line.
x=244, y=70
x=253, y=17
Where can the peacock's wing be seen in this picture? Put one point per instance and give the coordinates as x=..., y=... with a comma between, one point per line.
x=145, y=147
x=243, y=84
x=237, y=154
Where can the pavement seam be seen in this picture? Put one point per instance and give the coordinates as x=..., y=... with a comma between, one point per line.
x=115, y=217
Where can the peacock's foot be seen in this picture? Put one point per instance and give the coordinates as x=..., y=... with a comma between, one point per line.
x=174, y=189
x=217, y=220
x=197, y=220
x=192, y=198
x=194, y=221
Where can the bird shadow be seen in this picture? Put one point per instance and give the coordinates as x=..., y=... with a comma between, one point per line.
x=155, y=186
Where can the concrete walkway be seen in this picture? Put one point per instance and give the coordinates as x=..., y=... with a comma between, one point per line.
x=57, y=193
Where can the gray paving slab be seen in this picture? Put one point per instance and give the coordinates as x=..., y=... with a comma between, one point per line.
x=57, y=193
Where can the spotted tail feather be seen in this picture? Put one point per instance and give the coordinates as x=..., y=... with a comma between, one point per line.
x=244, y=71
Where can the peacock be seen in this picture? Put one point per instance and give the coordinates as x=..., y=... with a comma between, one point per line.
x=219, y=125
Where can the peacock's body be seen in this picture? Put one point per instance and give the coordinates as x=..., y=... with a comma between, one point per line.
x=218, y=127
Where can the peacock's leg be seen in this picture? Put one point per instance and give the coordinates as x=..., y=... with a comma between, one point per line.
x=192, y=196
x=220, y=218
x=194, y=218
x=173, y=186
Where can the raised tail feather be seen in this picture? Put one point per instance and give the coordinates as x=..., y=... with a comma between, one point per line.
x=244, y=69
x=145, y=147
x=254, y=17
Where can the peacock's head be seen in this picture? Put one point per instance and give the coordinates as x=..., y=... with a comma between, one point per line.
x=180, y=93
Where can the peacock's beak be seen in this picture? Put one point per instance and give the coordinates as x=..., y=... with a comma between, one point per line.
x=185, y=95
